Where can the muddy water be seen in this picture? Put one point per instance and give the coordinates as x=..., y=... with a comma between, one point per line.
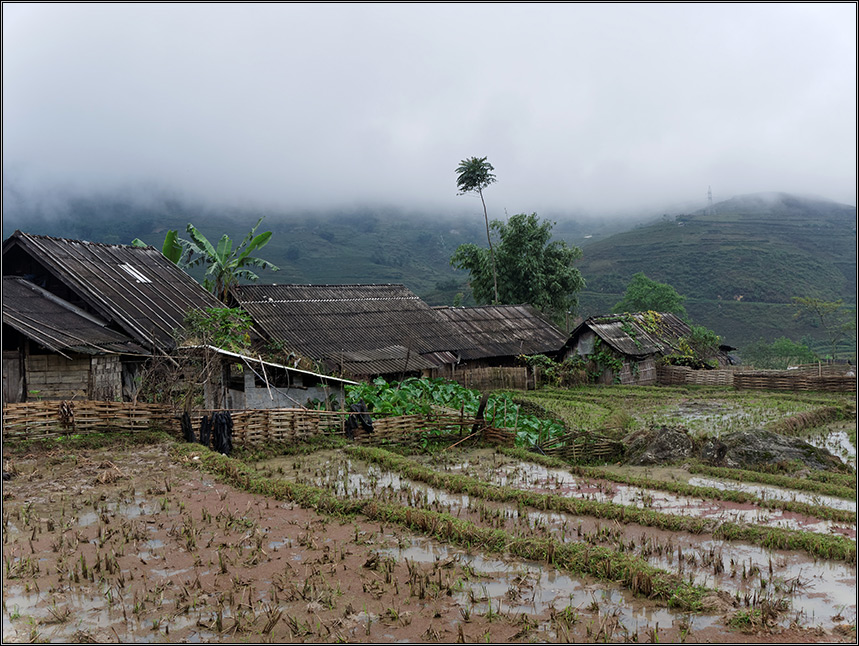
x=517, y=586
x=775, y=493
x=813, y=589
x=534, y=477
x=838, y=443
x=349, y=479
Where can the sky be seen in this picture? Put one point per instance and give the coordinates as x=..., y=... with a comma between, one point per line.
x=581, y=108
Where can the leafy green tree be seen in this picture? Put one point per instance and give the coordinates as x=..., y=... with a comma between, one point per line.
x=175, y=249
x=472, y=176
x=532, y=268
x=644, y=294
x=832, y=317
x=225, y=266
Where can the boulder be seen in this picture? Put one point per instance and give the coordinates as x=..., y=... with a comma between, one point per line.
x=658, y=446
x=713, y=452
x=755, y=447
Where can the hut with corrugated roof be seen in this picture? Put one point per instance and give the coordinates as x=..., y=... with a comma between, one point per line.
x=80, y=318
x=496, y=335
x=625, y=348
x=357, y=330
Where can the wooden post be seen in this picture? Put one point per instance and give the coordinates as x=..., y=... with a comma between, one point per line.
x=478, y=419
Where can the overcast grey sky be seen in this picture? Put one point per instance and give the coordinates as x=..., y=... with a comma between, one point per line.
x=602, y=108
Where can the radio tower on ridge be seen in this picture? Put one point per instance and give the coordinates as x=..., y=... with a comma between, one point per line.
x=709, y=201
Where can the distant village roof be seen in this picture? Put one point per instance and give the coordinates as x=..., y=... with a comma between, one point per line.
x=58, y=325
x=365, y=329
x=637, y=334
x=135, y=289
x=503, y=331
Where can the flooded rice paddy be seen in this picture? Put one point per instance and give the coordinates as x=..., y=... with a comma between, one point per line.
x=810, y=589
x=147, y=547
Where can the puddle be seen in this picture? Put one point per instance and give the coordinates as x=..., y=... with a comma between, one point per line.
x=113, y=509
x=838, y=444
x=541, y=479
x=776, y=493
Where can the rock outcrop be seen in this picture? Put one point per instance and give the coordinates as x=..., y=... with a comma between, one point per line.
x=755, y=447
x=747, y=449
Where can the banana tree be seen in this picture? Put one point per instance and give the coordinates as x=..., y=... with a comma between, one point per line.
x=175, y=249
x=225, y=266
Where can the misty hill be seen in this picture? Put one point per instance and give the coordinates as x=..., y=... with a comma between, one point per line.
x=739, y=263
x=361, y=245
x=762, y=247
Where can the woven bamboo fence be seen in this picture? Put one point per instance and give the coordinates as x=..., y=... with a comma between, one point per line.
x=794, y=381
x=33, y=420
x=822, y=369
x=830, y=378
x=582, y=446
x=52, y=417
x=686, y=376
x=500, y=378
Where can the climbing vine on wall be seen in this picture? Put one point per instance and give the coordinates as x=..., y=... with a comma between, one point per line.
x=605, y=358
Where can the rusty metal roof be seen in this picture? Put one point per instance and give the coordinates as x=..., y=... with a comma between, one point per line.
x=57, y=324
x=502, y=331
x=367, y=329
x=134, y=288
x=638, y=334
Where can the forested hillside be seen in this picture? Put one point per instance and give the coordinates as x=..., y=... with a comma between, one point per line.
x=361, y=245
x=754, y=248
x=739, y=264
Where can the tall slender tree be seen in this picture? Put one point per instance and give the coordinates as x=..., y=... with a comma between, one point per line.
x=472, y=176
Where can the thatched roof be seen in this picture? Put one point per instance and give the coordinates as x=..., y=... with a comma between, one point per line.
x=503, y=331
x=639, y=334
x=58, y=325
x=363, y=329
x=135, y=289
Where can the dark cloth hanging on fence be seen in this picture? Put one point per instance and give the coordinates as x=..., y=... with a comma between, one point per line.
x=187, y=429
x=205, y=430
x=358, y=415
x=222, y=432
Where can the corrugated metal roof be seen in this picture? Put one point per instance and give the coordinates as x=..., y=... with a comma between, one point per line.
x=57, y=324
x=381, y=361
x=637, y=334
x=503, y=330
x=135, y=287
x=376, y=324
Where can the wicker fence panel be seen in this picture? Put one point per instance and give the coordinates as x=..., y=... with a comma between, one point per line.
x=794, y=381
x=672, y=375
x=812, y=377
x=250, y=427
x=723, y=378
x=51, y=417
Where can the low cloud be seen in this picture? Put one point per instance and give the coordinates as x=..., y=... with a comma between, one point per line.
x=581, y=108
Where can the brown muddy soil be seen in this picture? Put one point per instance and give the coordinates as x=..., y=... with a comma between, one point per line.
x=132, y=545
